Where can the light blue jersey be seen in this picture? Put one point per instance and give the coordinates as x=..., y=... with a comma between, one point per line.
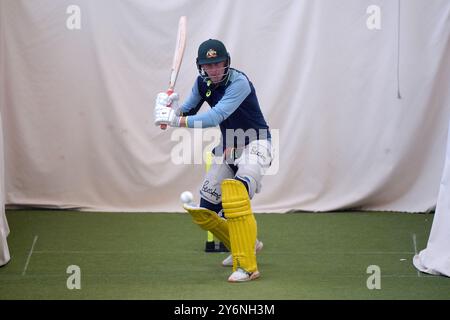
x=234, y=106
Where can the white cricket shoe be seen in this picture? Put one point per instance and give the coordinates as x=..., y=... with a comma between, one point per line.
x=241, y=275
x=228, y=261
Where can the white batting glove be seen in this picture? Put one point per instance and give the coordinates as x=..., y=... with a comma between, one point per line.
x=163, y=99
x=166, y=115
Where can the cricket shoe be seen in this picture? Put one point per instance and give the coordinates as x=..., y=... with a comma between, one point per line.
x=241, y=275
x=228, y=261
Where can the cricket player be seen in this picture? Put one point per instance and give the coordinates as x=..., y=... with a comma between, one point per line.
x=240, y=160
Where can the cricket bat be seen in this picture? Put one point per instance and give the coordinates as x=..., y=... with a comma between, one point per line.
x=177, y=57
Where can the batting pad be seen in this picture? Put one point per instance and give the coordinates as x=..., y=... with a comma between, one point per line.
x=241, y=223
x=210, y=221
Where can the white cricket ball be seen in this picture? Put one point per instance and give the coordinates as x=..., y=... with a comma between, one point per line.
x=186, y=197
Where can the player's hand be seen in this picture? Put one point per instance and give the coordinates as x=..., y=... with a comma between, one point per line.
x=166, y=115
x=163, y=99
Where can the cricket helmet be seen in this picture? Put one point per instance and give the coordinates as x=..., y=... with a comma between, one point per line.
x=212, y=51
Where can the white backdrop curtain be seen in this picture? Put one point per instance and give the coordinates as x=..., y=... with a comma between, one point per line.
x=355, y=91
x=435, y=258
x=4, y=228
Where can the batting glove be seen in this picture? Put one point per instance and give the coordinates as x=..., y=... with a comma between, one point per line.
x=163, y=99
x=167, y=110
x=166, y=115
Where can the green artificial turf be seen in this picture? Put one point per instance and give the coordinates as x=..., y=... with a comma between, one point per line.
x=161, y=256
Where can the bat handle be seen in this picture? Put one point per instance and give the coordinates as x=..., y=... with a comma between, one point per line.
x=169, y=92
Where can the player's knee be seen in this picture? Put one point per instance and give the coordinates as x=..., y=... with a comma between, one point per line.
x=249, y=183
x=252, y=176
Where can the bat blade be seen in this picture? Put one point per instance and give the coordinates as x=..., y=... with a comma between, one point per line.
x=179, y=51
x=177, y=57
